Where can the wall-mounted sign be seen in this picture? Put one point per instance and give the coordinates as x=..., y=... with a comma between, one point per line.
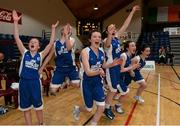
x=6, y=16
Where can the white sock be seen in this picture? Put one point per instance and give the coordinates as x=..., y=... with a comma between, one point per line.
x=107, y=106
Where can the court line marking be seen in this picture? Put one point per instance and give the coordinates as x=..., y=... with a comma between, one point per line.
x=175, y=72
x=131, y=114
x=158, y=102
x=160, y=95
x=133, y=108
x=163, y=78
x=88, y=120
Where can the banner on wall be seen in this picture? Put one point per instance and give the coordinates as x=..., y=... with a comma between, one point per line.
x=164, y=14
x=6, y=16
x=150, y=65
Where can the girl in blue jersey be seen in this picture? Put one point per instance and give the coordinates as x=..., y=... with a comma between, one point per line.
x=113, y=52
x=126, y=67
x=30, y=85
x=136, y=75
x=93, y=60
x=64, y=61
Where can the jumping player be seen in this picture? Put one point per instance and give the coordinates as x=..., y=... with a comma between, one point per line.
x=93, y=60
x=65, y=60
x=30, y=84
x=136, y=75
x=125, y=78
x=113, y=51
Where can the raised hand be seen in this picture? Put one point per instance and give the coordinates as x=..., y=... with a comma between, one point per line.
x=111, y=29
x=67, y=29
x=55, y=25
x=15, y=16
x=136, y=8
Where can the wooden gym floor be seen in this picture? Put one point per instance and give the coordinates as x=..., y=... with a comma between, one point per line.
x=58, y=109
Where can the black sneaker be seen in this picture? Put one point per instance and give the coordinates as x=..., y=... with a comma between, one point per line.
x=109, y=114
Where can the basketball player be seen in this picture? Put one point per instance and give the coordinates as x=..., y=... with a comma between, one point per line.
x=65, y=60
x=113, y=51
x=93, y=60
x=136, y=75
x=125, y=78
x=30, y=85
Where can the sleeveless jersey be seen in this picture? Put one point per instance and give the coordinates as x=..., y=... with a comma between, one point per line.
x=30, y=65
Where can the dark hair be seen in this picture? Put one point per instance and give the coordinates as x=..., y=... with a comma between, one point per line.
x=91, y=32
x=104, y=34
x=126, y=45
x=30, y=38
x=142, y=48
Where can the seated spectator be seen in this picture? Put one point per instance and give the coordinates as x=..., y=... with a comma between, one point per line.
x=169, y=56
x=162, y=55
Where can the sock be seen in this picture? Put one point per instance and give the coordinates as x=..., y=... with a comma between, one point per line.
x=107, y=106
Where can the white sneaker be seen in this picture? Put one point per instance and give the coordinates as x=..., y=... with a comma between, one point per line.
x=118, y=109
x=139, y=99
x=76, y=112
x=116, y=97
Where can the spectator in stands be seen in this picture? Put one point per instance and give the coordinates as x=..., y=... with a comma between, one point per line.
x=169, y=56
x=162, y=55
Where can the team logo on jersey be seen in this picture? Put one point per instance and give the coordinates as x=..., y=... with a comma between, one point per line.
x=97, y=66
x=32, y=64
x=62, y=50
x=118, y=49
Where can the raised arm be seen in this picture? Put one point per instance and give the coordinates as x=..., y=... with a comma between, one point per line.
x=86, y=66
x=127, y=21
x=110, y=31
x=19, y=43
x=69, y=41
x=48, y=58
x=52, y=39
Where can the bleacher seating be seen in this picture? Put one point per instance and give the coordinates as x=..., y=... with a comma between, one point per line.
x=155, y=40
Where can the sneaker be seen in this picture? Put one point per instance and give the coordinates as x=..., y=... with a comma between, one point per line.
x=139, y=99
x=118, y=109
x=76, y=112
x=109, y=114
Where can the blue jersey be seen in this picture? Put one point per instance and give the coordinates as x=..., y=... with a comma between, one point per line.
x=95, y=62
x=30, y=65
x=127, y=58
x=114, y=51
x=142, y=63
x=64, y=58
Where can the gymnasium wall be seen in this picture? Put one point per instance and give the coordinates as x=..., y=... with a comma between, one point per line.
x=38, y=15
x=119, y=18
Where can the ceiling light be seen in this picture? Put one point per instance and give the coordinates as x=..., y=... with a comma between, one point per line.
x=95, y=7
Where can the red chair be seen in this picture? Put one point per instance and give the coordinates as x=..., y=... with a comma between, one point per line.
x=50, y=71
x=45, y=81
x=8, y=92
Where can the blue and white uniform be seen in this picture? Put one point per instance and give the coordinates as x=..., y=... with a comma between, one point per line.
x=92, y=86
x=125, y=77
x=113, y=73
x=30, y=84
x=65, y=65
x=138, y=77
